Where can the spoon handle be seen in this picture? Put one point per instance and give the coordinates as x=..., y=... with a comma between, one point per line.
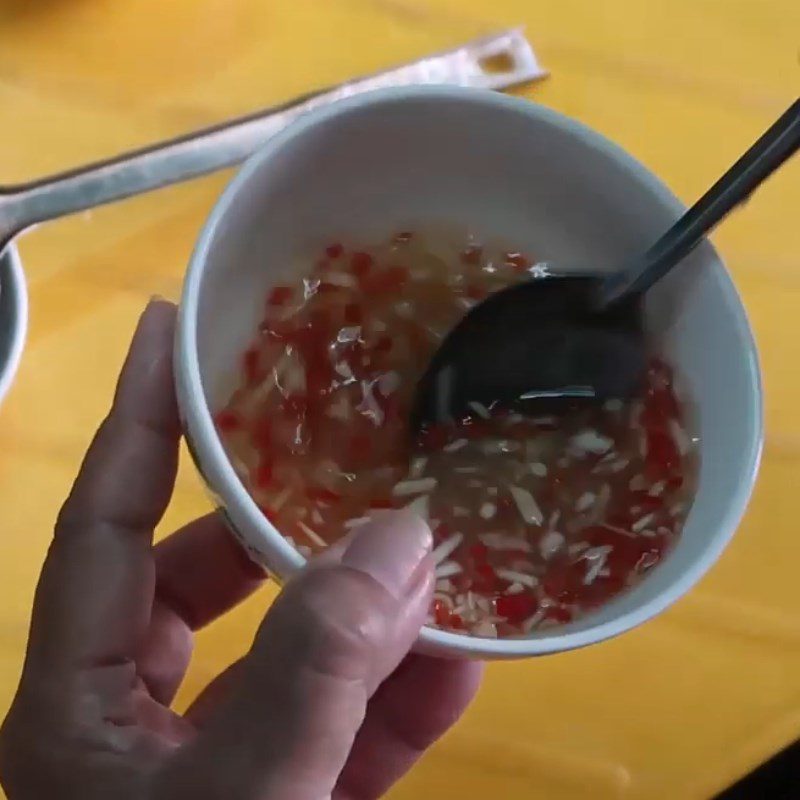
x=779, y=143
x=495, y=62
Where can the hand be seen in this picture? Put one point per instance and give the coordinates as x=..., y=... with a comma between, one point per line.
x=326, y=703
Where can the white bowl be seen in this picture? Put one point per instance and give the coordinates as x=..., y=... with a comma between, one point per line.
x=13, y=316
x=502, y=167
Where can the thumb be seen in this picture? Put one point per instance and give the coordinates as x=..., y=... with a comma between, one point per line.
x=335, y=633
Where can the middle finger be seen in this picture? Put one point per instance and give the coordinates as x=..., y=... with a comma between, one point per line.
x=201, y=572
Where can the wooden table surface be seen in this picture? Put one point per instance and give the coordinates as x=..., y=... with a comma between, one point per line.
x=676, y=709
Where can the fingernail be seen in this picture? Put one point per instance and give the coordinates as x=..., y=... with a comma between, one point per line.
x=149, y=351
x=390, y=549
x=158, y=314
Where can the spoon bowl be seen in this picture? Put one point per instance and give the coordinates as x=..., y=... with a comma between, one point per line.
x=540, y=347
x=544, y=345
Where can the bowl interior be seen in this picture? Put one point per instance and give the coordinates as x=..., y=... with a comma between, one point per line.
x=504, y=169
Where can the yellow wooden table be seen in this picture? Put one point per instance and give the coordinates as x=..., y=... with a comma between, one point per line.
x=676, y=709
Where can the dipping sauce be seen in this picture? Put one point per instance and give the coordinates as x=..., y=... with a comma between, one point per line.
x=536, y=521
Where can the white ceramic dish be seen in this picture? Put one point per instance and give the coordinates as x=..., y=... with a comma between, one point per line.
x=13, y=316
x=502, y=167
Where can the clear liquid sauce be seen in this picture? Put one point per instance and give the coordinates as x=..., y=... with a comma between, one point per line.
x=535, y=521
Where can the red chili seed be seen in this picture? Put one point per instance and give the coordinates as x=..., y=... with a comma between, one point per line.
x=600, y=535
x=505, y=503
x=472, y=428
x=517, y=261
x=621, y=519
x=479, y=552
x=381, y=503
x=361, y=263
x=418, y=336
x=318, y=378
x=228, y=421
x=262, y=434
x=485, y=581
x=627, y=552
x=323, y=495
x=663, y=457
x=251, y=366
x=280, y=330
x=280, y=295
x=403, y=237
x=353, y=314
x=564, y=582
x=268, y=513
x=296, y=404
x=434, y=437
x=659, y=373
x=559, y=614
x=624, y=558
x=441, y=613
x=547, y=424
x=335, y=250
x=443, y=531
x=516, y=608
x=456, y=622
x=602, y=590
x=329, y=288
x=263, y=476
x=644, y=501
x=648, y=560
x=472, y=254
x=675, y=482
x=484, y=586
x=660, y=407
x=391, y=407
x=386, y=281
x=383, y=345
x=466, y=421
x=360, y=447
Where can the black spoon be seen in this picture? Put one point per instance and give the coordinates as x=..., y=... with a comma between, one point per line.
x=555, y=341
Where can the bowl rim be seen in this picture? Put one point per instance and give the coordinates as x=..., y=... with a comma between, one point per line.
x=16, y=285
x=200, y=426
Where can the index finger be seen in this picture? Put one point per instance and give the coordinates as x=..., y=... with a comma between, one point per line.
x=95, y=593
